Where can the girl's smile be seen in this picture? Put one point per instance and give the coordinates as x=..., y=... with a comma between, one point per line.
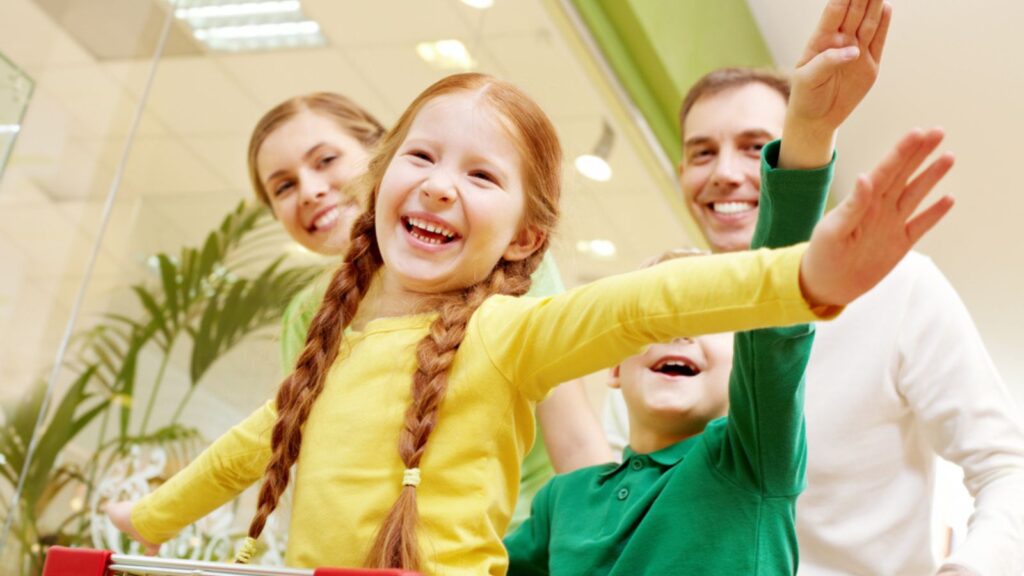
x=451, y=202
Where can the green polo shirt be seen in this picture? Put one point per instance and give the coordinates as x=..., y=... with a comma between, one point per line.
x=536, y=469
x=721, y=502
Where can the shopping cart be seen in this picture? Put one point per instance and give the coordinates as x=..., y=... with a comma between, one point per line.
x=61, y=561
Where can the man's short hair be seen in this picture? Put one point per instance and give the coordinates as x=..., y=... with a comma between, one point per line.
x=725, y=78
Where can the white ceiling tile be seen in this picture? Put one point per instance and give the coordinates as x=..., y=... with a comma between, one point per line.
x=504, y=17
x=276, y=76
x=358, y=23
x=541, y=65
x=193, y=95
x=101, y=105
x=30, y=39
x=166, y=166
x=226, y=156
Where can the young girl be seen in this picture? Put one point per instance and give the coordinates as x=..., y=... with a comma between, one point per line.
x=463, y=199
x=303, y=155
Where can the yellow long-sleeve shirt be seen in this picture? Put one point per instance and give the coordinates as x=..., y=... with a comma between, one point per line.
x=515, y=350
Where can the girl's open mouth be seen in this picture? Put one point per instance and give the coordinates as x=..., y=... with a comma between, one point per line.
x=429, y=231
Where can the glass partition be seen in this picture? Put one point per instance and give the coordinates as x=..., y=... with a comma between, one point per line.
x=15, y=91
x=132, y=157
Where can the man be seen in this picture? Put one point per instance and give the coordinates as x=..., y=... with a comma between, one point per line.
x=900, y=377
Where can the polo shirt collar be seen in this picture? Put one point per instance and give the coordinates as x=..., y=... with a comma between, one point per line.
x=667, y=456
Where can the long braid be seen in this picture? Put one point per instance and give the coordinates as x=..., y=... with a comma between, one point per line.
x=301, y=388
x=396, y=544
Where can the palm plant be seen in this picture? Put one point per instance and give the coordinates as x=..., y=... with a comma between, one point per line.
x=208, y=300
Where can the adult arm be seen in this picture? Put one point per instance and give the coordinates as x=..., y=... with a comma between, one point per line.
x=969, y=417
x=573, y=437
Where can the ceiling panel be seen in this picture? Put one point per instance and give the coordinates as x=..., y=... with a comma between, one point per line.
x=504, y=17
x=276, y=76
x=194, y=96
x=542, y=65
x=384, y=22
x=33, y=41
x=168, y=166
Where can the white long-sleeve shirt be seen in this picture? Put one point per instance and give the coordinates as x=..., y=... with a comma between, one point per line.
x=900, y=377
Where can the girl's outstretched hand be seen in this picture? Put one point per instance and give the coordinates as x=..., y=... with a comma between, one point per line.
x=120, y=514
x=840, y=63
x=858, y=243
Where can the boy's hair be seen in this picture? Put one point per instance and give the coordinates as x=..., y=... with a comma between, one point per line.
x=396, y=543
x=350, y=117
x=725, y=78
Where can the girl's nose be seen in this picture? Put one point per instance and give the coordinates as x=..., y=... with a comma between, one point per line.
x=438, y=189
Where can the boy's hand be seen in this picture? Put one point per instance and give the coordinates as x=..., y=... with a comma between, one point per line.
x=120, y=514
x=858, y=243
x=835, y=72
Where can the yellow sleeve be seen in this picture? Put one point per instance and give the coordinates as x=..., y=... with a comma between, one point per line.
x=538, y=343
x=220, y=473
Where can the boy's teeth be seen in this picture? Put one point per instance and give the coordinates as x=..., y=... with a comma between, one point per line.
x=732, y=207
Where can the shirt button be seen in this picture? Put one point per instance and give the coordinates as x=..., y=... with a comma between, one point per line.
x=623, y=493
x=636, y=465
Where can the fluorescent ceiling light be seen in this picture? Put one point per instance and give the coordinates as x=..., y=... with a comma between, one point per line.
x=240, y=25
x=10, y=128
x=239, y=9
x=479, y=4
x=448, y=54
x=594, y=167
x=304, y=28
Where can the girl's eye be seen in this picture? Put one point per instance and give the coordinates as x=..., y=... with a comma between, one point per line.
x=483, y=175
x=326, y=161
x=420, y=155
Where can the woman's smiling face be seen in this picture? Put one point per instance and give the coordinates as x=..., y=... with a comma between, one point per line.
x=304, y=166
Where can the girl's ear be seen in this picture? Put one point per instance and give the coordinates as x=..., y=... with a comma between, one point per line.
x=613, y=378
x=524, y=244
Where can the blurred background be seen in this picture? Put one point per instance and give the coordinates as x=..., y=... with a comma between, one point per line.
x=123, y=132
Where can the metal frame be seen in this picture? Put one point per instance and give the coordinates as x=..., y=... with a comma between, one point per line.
x=151, y=566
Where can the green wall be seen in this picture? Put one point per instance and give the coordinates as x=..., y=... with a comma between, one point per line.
x=658, y=48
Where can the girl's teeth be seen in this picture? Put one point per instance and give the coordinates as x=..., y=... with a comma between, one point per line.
x=433, y=228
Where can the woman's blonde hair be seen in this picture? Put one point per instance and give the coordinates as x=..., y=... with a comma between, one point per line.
x=396, y=543
x=350, y=117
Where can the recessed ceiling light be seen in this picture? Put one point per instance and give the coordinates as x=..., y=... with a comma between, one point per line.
x=598, y=248
x=594, y=167
x=447, y=54
x=479, y=4
x=10, y=128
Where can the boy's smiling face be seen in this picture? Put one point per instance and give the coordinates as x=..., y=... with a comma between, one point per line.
x=672, y=390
